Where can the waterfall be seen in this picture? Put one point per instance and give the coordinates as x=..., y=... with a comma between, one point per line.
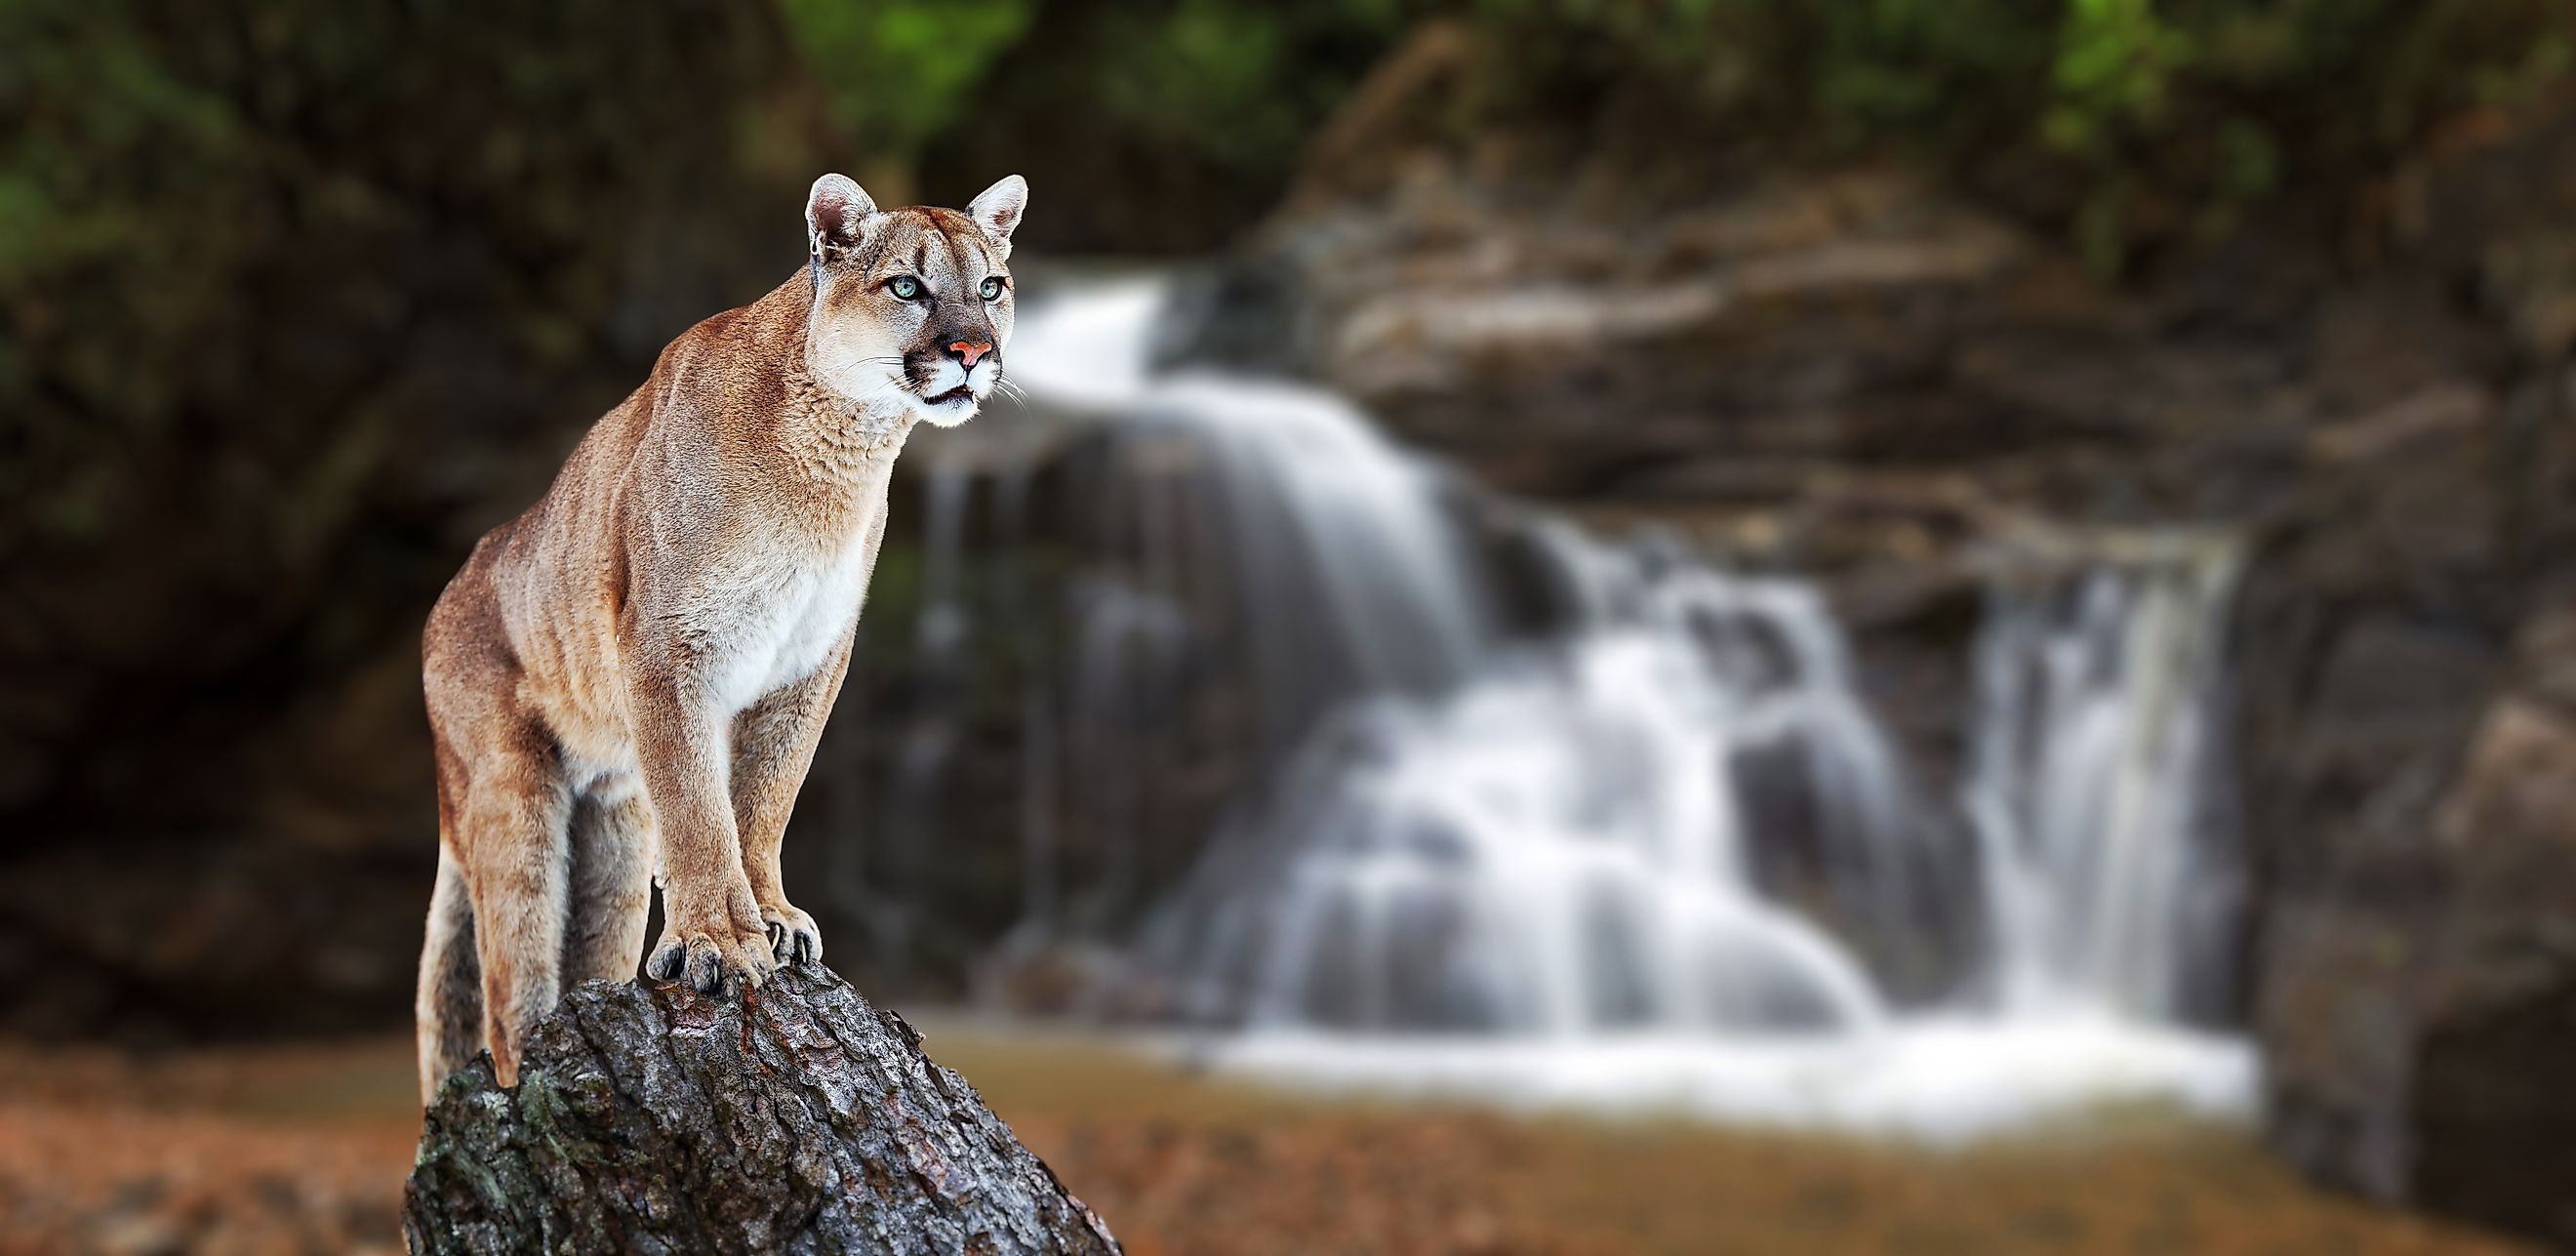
x=1663, y=812
x=1555, y=844
x=2086, y=783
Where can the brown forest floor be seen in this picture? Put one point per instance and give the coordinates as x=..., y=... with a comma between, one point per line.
x=304, y=1149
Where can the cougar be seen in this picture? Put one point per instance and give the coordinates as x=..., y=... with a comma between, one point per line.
x=626, y=682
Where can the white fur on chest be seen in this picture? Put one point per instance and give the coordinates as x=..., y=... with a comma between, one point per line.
x=776, y=618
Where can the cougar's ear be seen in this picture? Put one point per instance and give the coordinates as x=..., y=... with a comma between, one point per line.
x=998, y=209
x=836, y=216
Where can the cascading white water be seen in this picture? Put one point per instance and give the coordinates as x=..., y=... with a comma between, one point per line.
x=1515, y=843
x=1554, y=845
x=2086, y=779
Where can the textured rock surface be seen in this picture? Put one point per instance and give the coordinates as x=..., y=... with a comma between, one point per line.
x=2491, y=1108
x=652, y=1119
x=2421, y=1020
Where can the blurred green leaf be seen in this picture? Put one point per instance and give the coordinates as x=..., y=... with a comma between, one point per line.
x=899, y=70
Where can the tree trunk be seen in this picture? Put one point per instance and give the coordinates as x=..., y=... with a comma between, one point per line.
x=653, y=1119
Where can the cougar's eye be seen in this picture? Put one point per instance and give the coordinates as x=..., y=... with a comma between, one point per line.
x=992, y=288
x=904, y=287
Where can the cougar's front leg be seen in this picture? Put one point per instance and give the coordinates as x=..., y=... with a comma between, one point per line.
x=712, y=932
x=773, y=748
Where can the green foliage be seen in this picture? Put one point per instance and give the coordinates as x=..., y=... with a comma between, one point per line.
x=2115, y=63
x=175, y=186
x=1236, y=86
x=2128, y=120
x=1234, y=82
x=898, y=71
x=2180, y=111
x=1208, y=75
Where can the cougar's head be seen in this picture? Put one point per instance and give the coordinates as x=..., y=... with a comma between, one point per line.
x=911, y=306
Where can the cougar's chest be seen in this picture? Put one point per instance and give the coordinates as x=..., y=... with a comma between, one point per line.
x=790, y=610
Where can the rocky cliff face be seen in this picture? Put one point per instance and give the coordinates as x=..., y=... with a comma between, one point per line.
x=1850, y=371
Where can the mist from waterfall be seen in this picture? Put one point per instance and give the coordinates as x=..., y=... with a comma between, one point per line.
x=1648, y=845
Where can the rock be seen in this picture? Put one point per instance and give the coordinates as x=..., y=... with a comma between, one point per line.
x=2494, y=200
x=2497, y=1010
x=2420, y=997
x=1794, y=318
x=802, y=1120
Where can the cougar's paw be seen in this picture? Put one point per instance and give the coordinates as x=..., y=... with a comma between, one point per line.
x=668, y=959
x=718, y=957
x=723, y=968
x=793, y=939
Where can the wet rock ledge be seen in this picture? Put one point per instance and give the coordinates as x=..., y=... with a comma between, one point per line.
x=653, y=1119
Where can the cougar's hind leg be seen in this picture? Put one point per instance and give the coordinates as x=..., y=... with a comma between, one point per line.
x=449, y=1009
x=613, y=847
x=517, y=861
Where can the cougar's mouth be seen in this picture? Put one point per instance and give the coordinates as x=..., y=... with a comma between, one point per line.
x=959, y=393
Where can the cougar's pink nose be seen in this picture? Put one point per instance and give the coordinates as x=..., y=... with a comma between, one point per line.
x=968, y=351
